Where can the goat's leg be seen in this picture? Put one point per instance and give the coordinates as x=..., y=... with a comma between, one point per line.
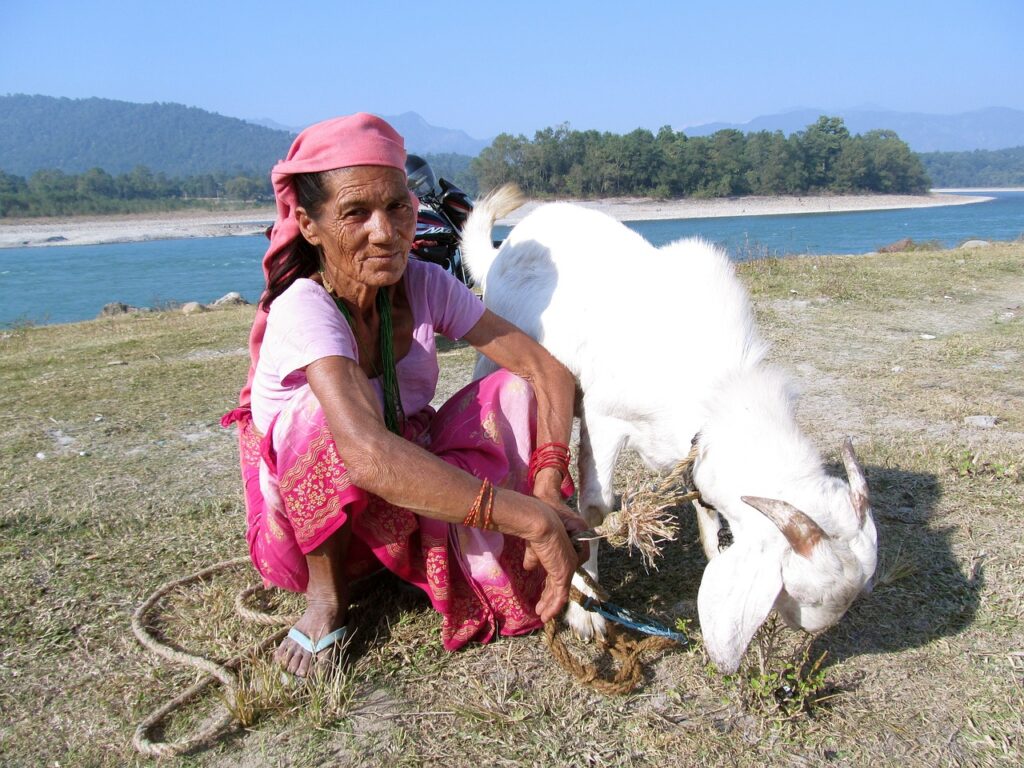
x=600, y=443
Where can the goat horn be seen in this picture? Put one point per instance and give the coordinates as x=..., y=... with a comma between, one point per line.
x=858, y=483
x=800, y=531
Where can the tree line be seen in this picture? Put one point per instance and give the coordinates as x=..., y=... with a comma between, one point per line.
x=557, y=162
x=584, y=164
x=55, y=193
x=980, y=168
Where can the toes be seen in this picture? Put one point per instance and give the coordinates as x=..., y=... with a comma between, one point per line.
x=302, y=660
x=293, y=659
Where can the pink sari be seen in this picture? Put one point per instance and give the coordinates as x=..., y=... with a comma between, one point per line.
x=298, y=494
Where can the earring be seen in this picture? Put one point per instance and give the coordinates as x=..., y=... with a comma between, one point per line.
x=323, y=272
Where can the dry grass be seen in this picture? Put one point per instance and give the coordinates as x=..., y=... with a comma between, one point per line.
x=138, y=484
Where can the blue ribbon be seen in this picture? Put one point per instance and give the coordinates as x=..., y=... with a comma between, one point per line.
x=644, y=624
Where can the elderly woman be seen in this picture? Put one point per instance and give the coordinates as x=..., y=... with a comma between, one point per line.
x=346, y=466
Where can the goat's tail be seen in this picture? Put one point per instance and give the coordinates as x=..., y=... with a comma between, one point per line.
x=478, y=251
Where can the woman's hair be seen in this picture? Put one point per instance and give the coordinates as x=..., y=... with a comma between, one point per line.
x=302, y=259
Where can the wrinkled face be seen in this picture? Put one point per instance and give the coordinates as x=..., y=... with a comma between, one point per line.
x=365, y=228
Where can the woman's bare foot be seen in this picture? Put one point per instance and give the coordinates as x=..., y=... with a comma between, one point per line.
x=327, y=598
x=320, y=619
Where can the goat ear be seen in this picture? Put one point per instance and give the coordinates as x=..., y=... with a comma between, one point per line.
x=736, y=595
x=858, y=483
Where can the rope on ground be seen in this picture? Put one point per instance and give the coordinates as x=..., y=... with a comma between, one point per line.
x=637, y=526
x=624, y=650
x=215, y=672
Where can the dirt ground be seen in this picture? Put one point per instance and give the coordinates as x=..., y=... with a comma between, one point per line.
x=116, y=477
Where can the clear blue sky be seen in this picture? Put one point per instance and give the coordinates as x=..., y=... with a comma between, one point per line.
x=488, y=67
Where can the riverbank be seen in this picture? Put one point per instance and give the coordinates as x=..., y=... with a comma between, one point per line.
x=645, y=209
x=81, y=230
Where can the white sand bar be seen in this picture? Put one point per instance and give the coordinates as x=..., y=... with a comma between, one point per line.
x=82, y=230
x=636, y=208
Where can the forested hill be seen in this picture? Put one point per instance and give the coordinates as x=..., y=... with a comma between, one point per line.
x=75, y=135
x=823, y=158
x=980, y=168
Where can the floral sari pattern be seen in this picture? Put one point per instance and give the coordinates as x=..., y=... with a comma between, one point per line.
x=298, y=494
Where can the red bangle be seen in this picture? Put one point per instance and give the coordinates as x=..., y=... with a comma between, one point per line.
x=554, y=455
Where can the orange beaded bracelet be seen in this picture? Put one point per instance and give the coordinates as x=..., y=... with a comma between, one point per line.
x=480, y=514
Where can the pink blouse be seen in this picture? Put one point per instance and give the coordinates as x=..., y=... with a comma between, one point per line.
x=305, y=325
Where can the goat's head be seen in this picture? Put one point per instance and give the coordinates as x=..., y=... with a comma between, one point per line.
x=811, y=576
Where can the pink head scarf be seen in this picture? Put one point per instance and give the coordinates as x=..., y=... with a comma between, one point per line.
x=343, y=142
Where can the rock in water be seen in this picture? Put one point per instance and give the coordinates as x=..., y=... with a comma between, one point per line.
x=115, y=308
x=898, y=247
x=229, y=300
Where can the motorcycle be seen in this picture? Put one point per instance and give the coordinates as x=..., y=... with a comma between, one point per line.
x=443, y=211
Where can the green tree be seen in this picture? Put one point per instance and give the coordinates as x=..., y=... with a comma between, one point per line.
x=852, y=171
x=96, y=184
x=894, y=168
x=821, y=144
x=53, y=193
x=727, y=175
x=770, y=164
x=243, y=188
x=13, y=195
x=499, y=163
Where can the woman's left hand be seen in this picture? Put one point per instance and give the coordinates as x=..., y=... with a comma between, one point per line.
x=571, y=520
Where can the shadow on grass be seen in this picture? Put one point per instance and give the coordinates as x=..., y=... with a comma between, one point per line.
x=376, y=602
x=921, y=590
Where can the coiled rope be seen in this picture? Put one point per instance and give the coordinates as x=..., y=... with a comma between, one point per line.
x=216, y=672
x=623, y=649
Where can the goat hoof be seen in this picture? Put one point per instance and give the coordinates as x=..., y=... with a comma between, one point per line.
x=586, y=625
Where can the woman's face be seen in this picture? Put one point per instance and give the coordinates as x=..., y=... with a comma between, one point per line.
x=365, y=227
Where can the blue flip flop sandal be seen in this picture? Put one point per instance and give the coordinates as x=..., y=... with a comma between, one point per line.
x=337, y=637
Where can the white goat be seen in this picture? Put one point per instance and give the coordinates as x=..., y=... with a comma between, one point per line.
x=663, y=344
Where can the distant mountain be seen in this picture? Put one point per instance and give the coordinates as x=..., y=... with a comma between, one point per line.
x=74, y=135
x=273, y=125
x=991, y=128
x=421, y=137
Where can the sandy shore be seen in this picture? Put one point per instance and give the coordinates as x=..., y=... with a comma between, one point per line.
x=183, y=224
x=635, y=208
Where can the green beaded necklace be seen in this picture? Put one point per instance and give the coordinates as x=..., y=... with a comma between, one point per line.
x=393, y=415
